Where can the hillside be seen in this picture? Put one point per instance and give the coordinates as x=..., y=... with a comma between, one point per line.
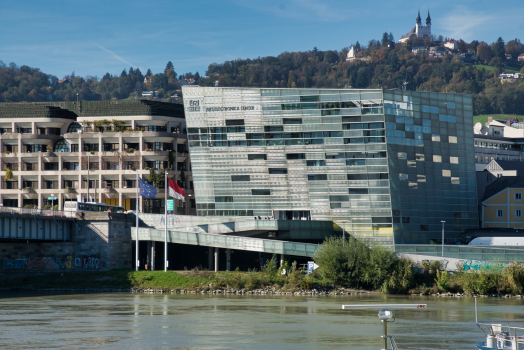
x=382, y=64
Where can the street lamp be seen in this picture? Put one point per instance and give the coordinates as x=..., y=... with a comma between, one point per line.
x=343, y=230
x=52, y=201
x=443, y=222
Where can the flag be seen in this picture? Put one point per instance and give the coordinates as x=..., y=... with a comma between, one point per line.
x=147, y=190
x=175, y=191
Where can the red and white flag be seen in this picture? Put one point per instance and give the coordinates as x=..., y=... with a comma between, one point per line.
x=175, y=191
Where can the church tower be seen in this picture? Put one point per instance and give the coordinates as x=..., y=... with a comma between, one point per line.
x=420, y=30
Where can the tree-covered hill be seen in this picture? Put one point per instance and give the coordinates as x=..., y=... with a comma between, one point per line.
x=382, y=64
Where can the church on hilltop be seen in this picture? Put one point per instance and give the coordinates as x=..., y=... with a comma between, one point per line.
x=419, y=31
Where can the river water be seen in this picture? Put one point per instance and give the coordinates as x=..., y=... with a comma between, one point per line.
x=154, y=321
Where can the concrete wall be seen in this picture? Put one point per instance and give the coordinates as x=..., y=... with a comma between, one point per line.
x=102, y=242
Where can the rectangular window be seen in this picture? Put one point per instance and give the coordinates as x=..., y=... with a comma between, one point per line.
x=240, y=178
x=273, y=128
x=403, y=177
x=437, y=158
x=292, y=120
x=518, y=213
x=453, y=160
x=257, y=156
x=315, y=162
x=260, y=192
x=278, y=171
x=296, y=156
x=317, y=177
x=402, y=155
x=500, y=212
x=518, y=196
x=234, y=122
x=224, y=199
x=435, y=137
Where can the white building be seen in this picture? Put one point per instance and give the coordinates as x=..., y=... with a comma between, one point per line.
x=91, y=150
x=419, y=31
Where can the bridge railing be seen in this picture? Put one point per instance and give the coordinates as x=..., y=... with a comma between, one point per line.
x=31, y=211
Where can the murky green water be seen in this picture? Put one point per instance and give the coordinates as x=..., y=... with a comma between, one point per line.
x=130, y=321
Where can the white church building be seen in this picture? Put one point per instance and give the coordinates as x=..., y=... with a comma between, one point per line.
x=419, y=31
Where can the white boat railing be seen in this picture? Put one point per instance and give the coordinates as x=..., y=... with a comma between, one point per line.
x=505, y=336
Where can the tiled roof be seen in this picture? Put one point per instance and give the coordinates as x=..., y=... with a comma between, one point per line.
x=501, y=184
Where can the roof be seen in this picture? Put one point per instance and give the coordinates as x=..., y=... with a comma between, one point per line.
x=510, y=165
x=70, y=110
x=412, y=32
x=28, y=110
x=501, y=184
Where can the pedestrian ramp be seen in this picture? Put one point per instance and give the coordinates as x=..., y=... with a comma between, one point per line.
x=226, y=241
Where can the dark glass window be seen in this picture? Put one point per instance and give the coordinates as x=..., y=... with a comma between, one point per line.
x=74, y=127
x=358, y=191
x=317, y=177
x=315, y=162
x=257, y=156
x=309, y=98
x=277, y=171
x=261, y=192
x=239, y=177
x=292, y=120
x=234, y=122
x=273, y=128
x=296, y=156
x=223, y=199
x=62, y=146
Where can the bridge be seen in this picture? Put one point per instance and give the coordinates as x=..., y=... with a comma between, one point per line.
x=226, y=241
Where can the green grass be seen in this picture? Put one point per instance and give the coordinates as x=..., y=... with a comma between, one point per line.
x=483, y=119
x=108, y=279
x=505, y=69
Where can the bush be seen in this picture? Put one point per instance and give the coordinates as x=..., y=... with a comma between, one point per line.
x=482, y=282
x=513, y=277
x=271, y=268
x=354, y=264
x=442, y=280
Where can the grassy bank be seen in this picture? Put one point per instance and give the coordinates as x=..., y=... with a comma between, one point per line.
x=483, y=119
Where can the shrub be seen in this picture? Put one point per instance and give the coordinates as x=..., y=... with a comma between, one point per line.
x=442, y=280
x=8, y=174
x=482, y=281
x=400, y=278
x=271, y=268
x=513, y=277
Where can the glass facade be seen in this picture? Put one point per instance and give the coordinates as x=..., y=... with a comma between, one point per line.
x=385, y=165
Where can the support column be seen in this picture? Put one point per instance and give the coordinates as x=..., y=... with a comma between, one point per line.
x=281, y=260
x=153, y=256
x=228, y=259
x=210, y=259
x=216, y=259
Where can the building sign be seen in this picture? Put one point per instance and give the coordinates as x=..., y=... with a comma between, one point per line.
x=170, y=204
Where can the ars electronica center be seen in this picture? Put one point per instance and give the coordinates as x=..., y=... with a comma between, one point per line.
x=383, y=165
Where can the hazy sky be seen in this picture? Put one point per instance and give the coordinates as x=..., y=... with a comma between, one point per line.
x=95, y=37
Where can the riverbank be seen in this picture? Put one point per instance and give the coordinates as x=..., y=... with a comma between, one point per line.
x=205, y=282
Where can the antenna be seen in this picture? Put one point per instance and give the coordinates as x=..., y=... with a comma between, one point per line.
x=385, y=315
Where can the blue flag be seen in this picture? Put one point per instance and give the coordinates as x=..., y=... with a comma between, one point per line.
x=147, y=190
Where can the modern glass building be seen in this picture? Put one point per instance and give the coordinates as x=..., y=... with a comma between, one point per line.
x=385, y=165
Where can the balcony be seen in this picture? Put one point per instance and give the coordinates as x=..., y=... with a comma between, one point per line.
x=29, y=193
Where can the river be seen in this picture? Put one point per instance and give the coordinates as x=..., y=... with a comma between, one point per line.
x=155, y=321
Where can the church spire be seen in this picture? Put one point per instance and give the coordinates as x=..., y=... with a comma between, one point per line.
x=428, y=20
x=419, y=21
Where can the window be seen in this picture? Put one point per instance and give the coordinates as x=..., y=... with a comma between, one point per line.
x=452, y=139
x=240, y=178
x=435, y=137
x=518, y=196
x=500, y=212
x=295, y=156
x=223, y=199
x=278, y=171
x=317, y=177
x=453, y=160
x=518, y=213
x=403, y=177
x=437, y=158
x=234, y=122
x=257, y=156
x=292, y=120
x=315, y=162
x=261, y=192
x=402, y=155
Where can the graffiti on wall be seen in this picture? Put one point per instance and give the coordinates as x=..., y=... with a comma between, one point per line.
x=14, y=263
x=51, y=263
x=479, y=264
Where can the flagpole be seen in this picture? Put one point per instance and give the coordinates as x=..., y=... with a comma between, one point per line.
x=165, y=223
x=137, y=207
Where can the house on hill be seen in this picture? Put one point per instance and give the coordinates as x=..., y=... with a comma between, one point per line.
x=419, y=31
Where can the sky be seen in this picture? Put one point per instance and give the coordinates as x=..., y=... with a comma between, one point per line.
x=92, y=38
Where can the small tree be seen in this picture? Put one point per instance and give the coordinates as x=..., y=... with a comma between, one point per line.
x=8, y=174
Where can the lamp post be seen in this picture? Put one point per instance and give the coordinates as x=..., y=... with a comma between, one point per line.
x=344, y=230
x=443, y=222
x=52, y=202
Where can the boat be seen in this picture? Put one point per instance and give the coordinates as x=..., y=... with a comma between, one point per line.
x=386, y=315
x=500, y=336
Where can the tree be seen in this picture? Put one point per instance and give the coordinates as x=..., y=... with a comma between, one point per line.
x=8, y=174
x=123, y=74
x=499, y=49
x=514, y=48
x=484, y=52
x=385, y=39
